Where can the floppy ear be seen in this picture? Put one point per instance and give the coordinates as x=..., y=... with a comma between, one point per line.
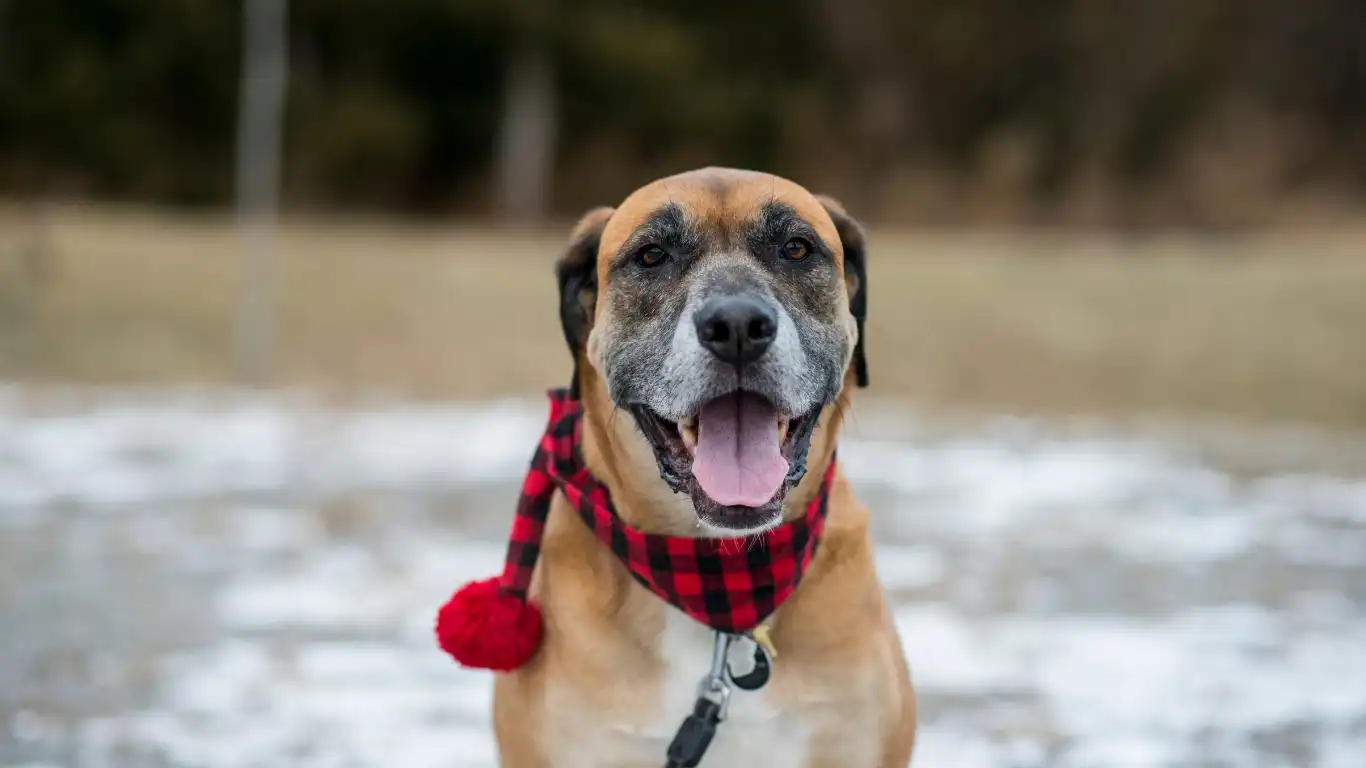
x=577, y=273
x=855, y=276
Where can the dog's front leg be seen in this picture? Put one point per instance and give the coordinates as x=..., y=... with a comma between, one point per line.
x=845, y=744
x=514, y=724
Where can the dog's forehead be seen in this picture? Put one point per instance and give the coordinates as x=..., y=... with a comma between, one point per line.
x=719, y=200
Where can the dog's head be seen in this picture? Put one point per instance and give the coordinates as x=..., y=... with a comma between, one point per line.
x=724, y=311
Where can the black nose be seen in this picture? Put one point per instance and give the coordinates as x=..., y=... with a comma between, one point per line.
x=736, y=329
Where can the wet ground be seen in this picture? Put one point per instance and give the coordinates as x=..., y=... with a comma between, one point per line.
x=191, y=580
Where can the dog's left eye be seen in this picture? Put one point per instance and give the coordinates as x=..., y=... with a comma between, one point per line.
x=796, y=249
x=651, y=256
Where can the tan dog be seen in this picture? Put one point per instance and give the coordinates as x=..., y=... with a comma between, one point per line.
x=715, y=346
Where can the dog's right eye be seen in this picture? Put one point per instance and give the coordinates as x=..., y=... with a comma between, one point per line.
x=651, y=256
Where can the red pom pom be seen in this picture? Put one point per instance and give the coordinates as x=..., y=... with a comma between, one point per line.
x=483, y=628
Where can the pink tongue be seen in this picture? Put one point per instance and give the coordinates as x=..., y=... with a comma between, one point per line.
x=737, y=460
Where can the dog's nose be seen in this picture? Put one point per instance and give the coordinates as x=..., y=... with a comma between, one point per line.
x=736, y=329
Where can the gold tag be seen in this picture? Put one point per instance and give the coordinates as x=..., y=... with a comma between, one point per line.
x=761, y=636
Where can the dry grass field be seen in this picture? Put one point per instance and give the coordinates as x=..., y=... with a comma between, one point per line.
x=1267, y=329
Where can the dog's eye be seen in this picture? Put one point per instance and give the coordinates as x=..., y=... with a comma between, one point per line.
x=796, y=249
x=651, y=256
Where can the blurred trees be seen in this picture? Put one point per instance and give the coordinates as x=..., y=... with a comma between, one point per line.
x=1108, y=109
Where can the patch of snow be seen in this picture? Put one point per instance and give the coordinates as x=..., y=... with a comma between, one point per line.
x=123, y=454
x=1075, y=603
x=908, y=567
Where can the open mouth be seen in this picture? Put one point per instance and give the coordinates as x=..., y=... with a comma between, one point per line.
x=737, y=457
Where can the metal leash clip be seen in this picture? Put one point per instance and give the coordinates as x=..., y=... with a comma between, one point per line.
x=713, y=700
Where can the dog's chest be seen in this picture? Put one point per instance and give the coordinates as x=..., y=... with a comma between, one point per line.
x=757, y=732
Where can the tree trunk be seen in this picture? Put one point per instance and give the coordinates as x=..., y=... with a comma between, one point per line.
x=526, y=151
x=259, y=128
x=861, y=37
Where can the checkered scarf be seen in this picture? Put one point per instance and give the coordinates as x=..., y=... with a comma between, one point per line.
x=730, y=585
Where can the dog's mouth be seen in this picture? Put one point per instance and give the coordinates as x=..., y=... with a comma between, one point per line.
x=737, y=457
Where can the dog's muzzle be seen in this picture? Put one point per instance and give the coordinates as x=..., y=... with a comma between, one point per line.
x=728, y=420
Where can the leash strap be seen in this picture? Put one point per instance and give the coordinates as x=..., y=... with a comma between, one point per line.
x=713, y=699
x=694, y=735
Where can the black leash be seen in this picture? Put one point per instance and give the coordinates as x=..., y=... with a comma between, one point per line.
x=690, y=743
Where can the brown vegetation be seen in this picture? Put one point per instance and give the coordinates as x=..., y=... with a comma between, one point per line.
x=1270, y=329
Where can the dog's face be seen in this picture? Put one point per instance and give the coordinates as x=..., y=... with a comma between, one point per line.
x=723, y=310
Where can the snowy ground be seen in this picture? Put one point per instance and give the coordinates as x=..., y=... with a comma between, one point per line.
x=229, y=582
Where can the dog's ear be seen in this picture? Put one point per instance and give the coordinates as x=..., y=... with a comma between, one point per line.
x=855, y=276
x=577, y=274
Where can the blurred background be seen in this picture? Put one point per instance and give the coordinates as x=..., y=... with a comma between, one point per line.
x=276, y=310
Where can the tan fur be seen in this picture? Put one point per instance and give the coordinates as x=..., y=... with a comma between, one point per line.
x=840, y=673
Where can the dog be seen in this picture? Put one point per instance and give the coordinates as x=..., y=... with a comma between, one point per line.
x=715, y=322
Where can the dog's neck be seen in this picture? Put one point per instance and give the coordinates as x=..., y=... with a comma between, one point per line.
x=619, y=457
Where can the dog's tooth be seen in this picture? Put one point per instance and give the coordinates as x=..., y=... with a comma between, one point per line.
x=689, y=435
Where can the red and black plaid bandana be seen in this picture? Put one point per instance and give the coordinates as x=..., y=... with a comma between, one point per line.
x=730, y=585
